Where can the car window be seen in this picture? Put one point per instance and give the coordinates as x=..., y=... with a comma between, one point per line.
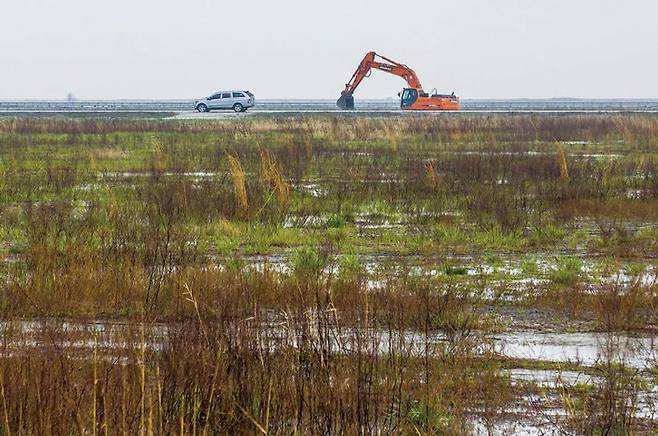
x=215, y=96
x=226, y=95
x=249, y=94
x=238, y=94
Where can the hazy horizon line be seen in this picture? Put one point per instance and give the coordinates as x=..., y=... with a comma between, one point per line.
x=79, y=99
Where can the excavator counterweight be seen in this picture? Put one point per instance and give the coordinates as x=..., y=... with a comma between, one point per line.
x=412, y=98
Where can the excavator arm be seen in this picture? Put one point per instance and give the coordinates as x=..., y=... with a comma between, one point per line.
x=370, y=61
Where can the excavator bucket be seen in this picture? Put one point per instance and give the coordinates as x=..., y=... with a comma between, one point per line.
x=345, y=102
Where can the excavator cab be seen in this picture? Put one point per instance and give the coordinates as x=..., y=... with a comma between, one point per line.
x=409, y=97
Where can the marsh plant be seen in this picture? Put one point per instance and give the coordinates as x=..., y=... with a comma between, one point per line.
x=316, y=274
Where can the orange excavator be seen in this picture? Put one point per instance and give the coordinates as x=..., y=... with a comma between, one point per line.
x=411, y=98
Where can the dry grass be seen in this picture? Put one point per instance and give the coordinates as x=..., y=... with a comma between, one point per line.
x=431, y=174
x=239, y=187
x=562, y=161
x=247, y=370
x=271, y=174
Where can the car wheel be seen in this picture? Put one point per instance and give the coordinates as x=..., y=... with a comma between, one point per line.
x=202, y=108
x=238, y=107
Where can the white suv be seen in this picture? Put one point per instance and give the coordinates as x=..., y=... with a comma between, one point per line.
x=239, y=101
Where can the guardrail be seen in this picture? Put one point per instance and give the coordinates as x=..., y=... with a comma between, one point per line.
x=325, y=105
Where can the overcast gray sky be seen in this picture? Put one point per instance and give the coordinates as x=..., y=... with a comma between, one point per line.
x=308, y=49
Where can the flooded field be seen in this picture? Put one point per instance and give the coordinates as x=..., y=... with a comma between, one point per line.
x=320, y=274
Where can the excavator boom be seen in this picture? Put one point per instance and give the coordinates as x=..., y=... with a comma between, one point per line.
x=373, y=60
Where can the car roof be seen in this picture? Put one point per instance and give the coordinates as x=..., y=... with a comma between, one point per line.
x=230, y=90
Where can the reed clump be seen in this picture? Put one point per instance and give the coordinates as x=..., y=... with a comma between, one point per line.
x=239, y=187
x=271, y=173
x=562, y=160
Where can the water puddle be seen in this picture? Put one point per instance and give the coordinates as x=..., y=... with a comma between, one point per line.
x=590, y=349
x=196, y=175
